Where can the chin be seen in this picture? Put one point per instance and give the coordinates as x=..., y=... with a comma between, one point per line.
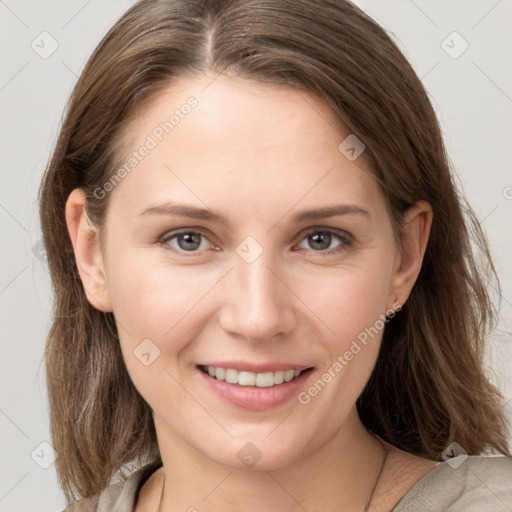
x=256, y=452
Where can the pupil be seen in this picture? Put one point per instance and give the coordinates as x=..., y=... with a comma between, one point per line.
x=189, y=239
x=324, y=236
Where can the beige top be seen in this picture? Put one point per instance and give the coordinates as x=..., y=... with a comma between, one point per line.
x=479, y=484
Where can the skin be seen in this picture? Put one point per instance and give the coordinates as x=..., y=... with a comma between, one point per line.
x=259, y=154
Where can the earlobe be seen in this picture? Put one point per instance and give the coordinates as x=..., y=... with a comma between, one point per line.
x=415, y=235
x=88, y=257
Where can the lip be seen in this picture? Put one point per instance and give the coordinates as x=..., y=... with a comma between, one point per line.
x=246, y=366
x=252, y=397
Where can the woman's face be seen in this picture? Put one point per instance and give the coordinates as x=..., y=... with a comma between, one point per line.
x=274, y=286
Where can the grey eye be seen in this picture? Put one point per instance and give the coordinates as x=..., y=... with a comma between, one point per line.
x=188, y=241
x=320, y=240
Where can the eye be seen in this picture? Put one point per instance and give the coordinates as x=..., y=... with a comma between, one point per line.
x=321, y=239
x=187, y=241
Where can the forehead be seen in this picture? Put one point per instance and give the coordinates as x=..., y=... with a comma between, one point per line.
x=211, y=138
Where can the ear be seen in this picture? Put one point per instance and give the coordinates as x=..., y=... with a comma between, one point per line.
x=85, y=240
x=415, y=233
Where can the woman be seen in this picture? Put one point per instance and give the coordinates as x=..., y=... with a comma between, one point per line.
x=266, y=295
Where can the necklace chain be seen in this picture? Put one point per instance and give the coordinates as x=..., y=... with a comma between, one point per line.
x=364, y=508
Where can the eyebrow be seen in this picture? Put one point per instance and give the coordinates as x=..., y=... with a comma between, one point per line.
x=193, y=212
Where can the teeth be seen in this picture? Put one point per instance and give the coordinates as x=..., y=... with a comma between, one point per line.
x=261, y=380
x=231, y=376
x=246, y=378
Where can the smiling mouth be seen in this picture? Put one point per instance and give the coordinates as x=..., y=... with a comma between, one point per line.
x=260, y=380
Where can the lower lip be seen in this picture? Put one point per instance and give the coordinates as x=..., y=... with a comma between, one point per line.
x=252, y=397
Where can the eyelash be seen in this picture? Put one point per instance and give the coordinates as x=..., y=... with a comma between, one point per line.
x=344, y=237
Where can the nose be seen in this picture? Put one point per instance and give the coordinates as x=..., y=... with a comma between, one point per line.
x=257, y=304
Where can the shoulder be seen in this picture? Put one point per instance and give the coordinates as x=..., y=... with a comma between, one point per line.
x=119, y=496
x=474, y=483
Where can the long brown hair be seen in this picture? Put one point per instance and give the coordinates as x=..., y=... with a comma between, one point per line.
x=429, y=387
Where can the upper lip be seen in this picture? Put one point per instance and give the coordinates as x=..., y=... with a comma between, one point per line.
x=246, y=366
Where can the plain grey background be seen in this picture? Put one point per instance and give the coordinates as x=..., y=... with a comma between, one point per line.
x=459, y=48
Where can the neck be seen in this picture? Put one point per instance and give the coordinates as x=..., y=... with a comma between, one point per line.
x=342, y=472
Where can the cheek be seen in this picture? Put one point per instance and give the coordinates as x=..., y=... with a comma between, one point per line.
x=352, y=304
x=157, y=301
x=157, y=309
x=349, y=300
